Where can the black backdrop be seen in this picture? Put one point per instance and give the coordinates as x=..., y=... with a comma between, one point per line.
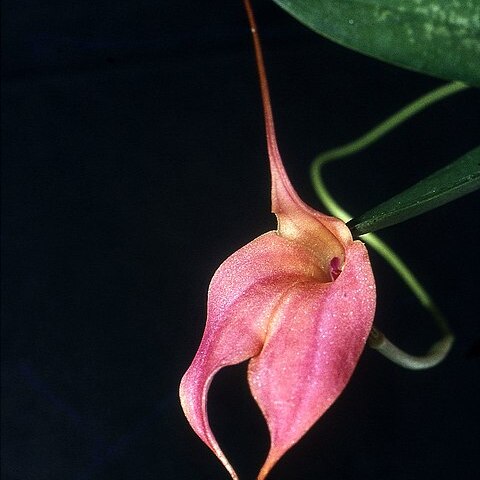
x=134, y=162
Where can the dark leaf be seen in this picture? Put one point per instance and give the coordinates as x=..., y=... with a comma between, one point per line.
x=435, y=37
x=451, y=182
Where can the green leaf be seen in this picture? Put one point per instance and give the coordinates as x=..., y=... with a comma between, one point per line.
x=435, y=37
x=451, y=182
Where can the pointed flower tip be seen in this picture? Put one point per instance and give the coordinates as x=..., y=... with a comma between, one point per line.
x=192, y=392
x=270, y=462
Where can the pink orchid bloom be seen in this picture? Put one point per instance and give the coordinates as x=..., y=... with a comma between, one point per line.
x=298, y=302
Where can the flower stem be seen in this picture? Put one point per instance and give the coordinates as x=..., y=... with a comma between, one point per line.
x=377, y=340
x=382, y=129
x=437, y=352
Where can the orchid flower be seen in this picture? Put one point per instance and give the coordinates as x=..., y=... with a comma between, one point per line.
x=297, y=302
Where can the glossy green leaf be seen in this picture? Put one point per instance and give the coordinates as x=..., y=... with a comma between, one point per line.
x=451, y=182
x=435, y=37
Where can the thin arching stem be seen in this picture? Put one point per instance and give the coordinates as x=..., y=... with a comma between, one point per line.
x=377, y=340
x=434, y=356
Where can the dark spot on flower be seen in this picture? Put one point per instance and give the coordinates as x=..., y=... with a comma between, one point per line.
x=335, y=267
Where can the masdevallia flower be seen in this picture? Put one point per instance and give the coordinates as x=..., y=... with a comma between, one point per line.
x=297, y=302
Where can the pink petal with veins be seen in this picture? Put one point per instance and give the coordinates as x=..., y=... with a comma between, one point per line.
x=313, y=344
x=244, y=292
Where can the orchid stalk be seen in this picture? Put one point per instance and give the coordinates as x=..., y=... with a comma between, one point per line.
x=297, y=302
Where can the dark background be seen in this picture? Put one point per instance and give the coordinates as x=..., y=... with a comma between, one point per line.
x=134, y=162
